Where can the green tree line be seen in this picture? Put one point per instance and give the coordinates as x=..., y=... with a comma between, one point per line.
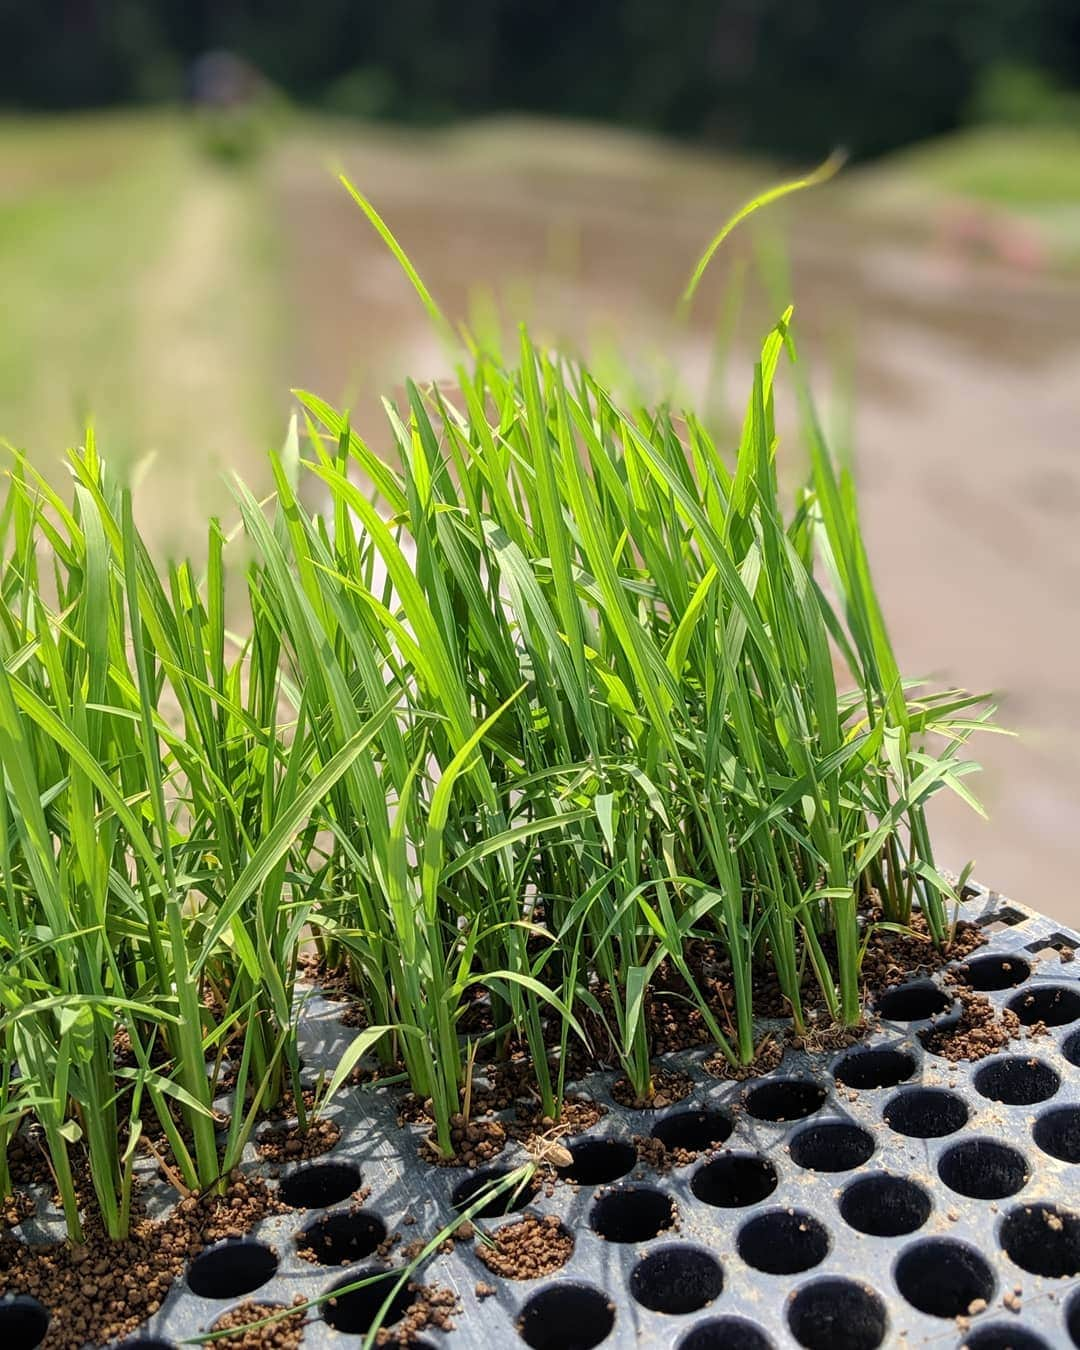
x=788, y=76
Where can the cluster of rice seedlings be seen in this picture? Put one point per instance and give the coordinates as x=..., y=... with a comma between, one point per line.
x=544, y=697
x=625, y=664
x=152, y=810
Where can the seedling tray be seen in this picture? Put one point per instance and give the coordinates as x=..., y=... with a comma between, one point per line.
x=877, y=1196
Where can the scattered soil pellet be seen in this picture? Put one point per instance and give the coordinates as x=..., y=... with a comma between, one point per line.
x=432, y=1309
x=655, y=1155
x=483, y=1290
x=981, y=1030
x=527, y=1248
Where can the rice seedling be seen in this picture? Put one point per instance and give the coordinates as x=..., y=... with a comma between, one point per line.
x=150, y=917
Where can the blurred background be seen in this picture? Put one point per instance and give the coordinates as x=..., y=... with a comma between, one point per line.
x=176, y=254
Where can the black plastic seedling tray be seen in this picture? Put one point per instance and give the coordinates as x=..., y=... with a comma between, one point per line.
x=878, y=1196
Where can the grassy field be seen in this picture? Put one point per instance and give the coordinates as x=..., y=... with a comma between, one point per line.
x=139, y=279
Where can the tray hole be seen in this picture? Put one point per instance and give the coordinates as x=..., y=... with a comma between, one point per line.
x=988, y=973
x=146, y=1343
x=1002, y=1336
x=354, y=1312
x=319, y=1185
x=1005, y=917
x=834, y=1146
x=925, y=1113
x=509, y=1201
x=786, y=1099
x=234, y=1267
x=1016, y=1081
x=913, y=1002
x=837, y=1314
x=726, y=1333
x=1071, y=1048
x=1072, y=1318
x=338, y=1239
x=1057, y=947
x=677, y=1280
x=23, y=1322
x=1043, y=1240
x=1057, y=1132
x=597, y=1161
x=943, y=1278
x=864, y=1069
x=735, y=1180
x=1054, y=1004
x=633, y=1214
x=566, y=1317
x=692, y=1130
x=783, y=1242
x=884, y=1206
x=983, y=1169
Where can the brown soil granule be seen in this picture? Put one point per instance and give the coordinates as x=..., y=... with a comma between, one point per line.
x=353, y=1014
x=474, y=1143
x=657, y=1157
x=668, y=1087
x=28, y=1159
x=433, y=1309
x=981, y=1030
x=892, y=958
x=767, y=1057
x=284, y=1334
x=15, y=1208
x=291, y=1144
x=334, y=984
x=413, y=1110
x=527, y=1248
x=484, y=1290
x=534, y=1129
x=101, y=1291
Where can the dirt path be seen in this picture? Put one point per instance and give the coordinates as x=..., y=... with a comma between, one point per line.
x=202, y=310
